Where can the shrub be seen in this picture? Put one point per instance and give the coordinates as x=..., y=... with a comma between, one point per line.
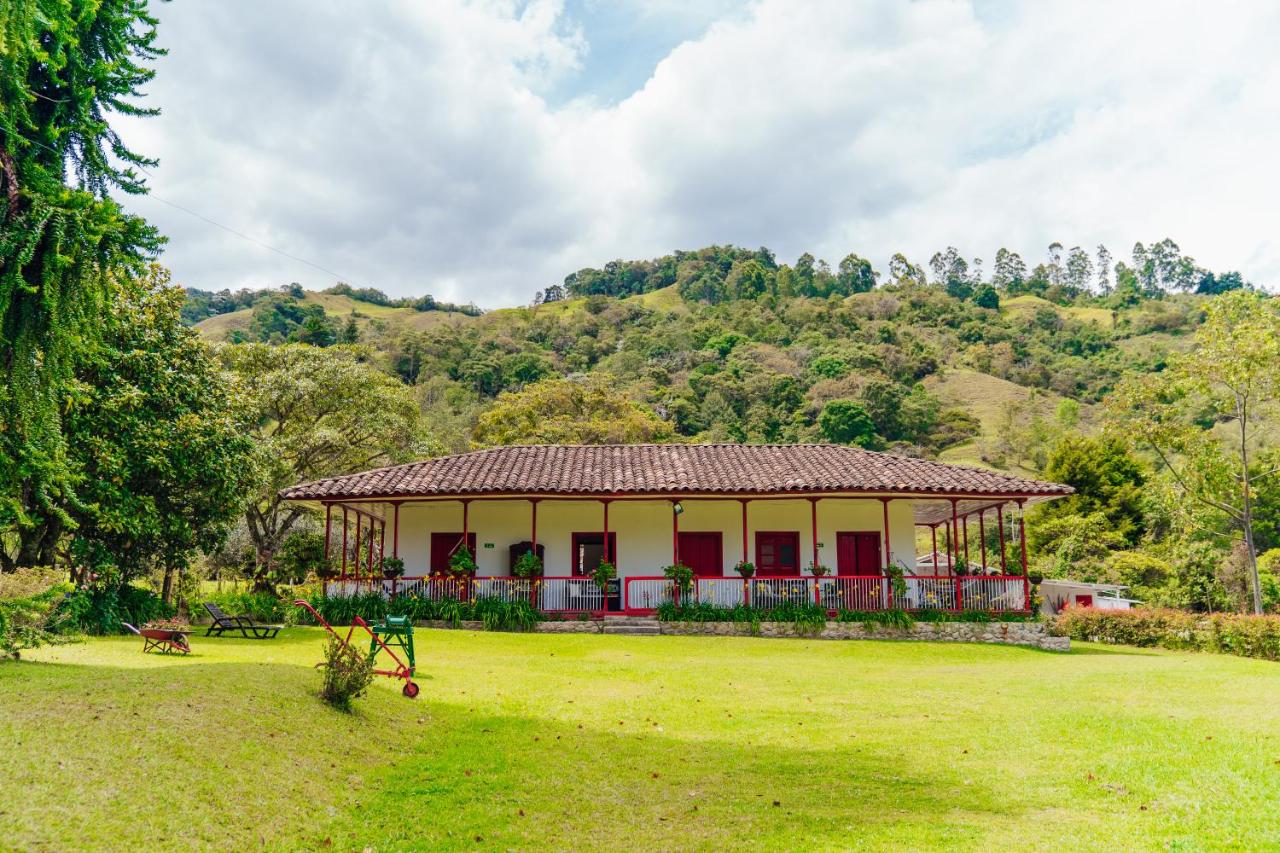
x=102, y=610
x=392, y=567
x=499, y=615
x=348, y=672
x=261, y=606
x=29, y=600
x=871, y=618
x=1228, y=633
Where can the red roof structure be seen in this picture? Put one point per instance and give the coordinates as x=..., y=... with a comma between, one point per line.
x=660, y=470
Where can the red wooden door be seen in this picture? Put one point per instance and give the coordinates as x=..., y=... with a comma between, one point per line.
x=858, y=553
x=442, y=547
x=778, y=553
x=702, y=552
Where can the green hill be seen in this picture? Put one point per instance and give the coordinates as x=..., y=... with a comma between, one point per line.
x=726, y=344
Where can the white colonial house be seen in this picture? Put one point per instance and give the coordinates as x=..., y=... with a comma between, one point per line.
x=785, y=508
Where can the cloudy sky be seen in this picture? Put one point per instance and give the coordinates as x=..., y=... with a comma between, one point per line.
x=480, y=151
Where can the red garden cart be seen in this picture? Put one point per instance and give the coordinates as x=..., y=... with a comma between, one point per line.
x=402, y=670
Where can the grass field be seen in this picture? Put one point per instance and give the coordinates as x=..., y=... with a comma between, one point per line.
x=586, y=741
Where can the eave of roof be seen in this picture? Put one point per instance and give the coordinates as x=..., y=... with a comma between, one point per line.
x=687, y=471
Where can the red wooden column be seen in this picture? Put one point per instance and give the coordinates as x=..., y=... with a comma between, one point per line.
x=328, y=529
x=533, y=524
x=355, y=552
x=344, y=542
x=982, y=534
x=466, y=527
x=675, y=534
x=888, y=557
x=1004, y=568
x=533, y=547
x=955, y=542
x=395, y=529
x=1022, y=535
x=813, y=523
x=608, y=556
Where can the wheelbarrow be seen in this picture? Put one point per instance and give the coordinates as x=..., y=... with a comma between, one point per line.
x=401, y=671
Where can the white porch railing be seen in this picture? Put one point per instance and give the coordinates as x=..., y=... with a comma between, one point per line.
x=644, y=594
x=855, y=593
x=996, y=594
x=768, y=593
x=569, y=595
x=722, y=592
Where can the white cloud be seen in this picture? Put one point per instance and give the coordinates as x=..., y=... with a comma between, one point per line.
x=411, y=148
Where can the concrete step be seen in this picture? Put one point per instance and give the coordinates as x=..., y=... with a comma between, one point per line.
x=633, y=630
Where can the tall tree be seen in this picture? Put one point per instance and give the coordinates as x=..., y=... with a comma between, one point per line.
x=1104, y=270
x=64, y=68
x=156, y=439
x=1230, y=377
x=315, y=413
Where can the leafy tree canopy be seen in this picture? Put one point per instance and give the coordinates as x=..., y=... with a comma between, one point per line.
x=569, y=411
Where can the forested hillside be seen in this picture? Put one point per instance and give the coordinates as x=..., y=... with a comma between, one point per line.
x=1117, y=377
x=727, y=344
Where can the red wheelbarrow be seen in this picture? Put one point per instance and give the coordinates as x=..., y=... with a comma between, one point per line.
x=402, y=670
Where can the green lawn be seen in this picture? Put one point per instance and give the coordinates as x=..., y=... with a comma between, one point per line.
x=528, y=742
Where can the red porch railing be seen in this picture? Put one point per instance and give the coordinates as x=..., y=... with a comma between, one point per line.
x=642, y=595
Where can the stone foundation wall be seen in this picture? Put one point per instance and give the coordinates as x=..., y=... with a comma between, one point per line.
x=1034, y=634
x=1006, y=633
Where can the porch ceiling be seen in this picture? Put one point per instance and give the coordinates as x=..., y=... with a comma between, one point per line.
x=939, y=512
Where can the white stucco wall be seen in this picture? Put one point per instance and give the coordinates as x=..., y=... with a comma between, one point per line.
x=643, y=529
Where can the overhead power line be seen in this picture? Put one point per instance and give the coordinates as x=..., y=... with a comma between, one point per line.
x=149, y=194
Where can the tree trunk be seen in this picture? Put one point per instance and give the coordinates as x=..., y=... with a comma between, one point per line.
x=1246, y=516
x=166, y=589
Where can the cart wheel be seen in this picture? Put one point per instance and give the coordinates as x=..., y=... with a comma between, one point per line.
x=410, y=689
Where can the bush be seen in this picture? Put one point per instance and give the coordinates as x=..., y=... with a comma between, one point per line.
x=348, y=672
x=1228, y=633
x=102, y=610
x=871, y=618
x=29, y=600
x=261, y=606
x=496, y=614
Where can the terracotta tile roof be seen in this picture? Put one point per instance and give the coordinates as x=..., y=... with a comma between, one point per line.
x=670, y=469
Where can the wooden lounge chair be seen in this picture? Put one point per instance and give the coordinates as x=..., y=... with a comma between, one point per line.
x=248, y=629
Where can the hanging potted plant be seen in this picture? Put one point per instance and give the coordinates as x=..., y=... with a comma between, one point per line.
x=818, y=570
x=746, y=570
x=462, y=564
x=392, y=568
x=527, y=566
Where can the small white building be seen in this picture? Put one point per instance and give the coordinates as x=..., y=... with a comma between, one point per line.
x=1057, y=594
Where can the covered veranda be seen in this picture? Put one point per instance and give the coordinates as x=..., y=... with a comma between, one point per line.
x=821, y=524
